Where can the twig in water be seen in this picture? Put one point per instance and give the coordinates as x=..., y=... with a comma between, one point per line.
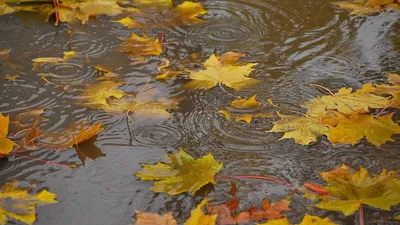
x=42, y=160
x=58, y=85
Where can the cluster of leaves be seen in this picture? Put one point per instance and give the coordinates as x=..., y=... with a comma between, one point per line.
x=368, y=7
x=346, y=191
x=344, y=116
x=20, y=205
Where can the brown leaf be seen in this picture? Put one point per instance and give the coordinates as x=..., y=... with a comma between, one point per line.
x=143, y=218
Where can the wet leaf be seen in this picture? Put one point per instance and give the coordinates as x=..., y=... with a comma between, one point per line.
x=18, y=204
x=181, y=173
x=143, y=218
x=11, y=78
x=397, y=218
x=28, y=141
x=234, y=76
x=69, y=55
x=4, y=54
x=246, y=117
x=351, y=128
x=197, y=216
x=393, y=90
x=357, y=7
x=250, y=103
x=307, y=220
x=303, y=130
x=156, y=13
x=96, y=95
x=6, y=145
x=346, y=101
x=141, y=46
x=349, y=189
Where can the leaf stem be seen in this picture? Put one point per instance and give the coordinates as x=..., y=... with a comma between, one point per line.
x=42, y=160
x=58, y=85
x=223, y=89
x=55, y=2
x=361, y=215
x=289, y=110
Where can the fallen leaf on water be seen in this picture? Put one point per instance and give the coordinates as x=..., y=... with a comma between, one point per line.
x=69, y=55
x=51, y=60
x=307, y=220
x=6, y=52
x=18, y=204
x=11, y=78
x=143, y=218
x=226, y=210
x=156, y=13
x=397, y=218
x=181, y=173
x=348, y=189
x=346, y=101
x=197, y=216
x=250, y=103
x=215, y=72
x=303, y=130
x=351, y=128
x=246, y=117
x=393, y=90
x=141, y=46
x=28, y=141
x=96, y=95
x=357, y=7
x=6, y=145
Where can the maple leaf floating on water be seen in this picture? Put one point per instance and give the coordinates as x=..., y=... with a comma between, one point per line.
x=157, y=13
x=307, y=220
x=141, y=46
x=348, y=189
x=181, y=173
x=393, y=90
x=369, y=7
x=197, y=217
x=20, y=205
x=6, y=145
x=218, y=71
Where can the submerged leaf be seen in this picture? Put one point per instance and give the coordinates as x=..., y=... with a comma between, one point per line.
x=351, y=128
x=250, y=103
x=181, y=173
x=347, y=190
x=143, y=218
x=20, y=205
x=246, y=117
x=215, y=72
x=6, y=145
x=141, y=46
x=96, y=95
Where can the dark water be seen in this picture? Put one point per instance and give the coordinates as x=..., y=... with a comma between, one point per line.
x=293, y=41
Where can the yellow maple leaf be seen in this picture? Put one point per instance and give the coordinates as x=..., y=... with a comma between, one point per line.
x=6, y=145
x=303, y=130
x=393, y=90
x=246, y=117
x=141, y=46
x=347, y=190
x=97, y=95
x=346, y=101
x=156, y=13
x=351, y=128
x=307, y=220
x=234, y=76
x=250, y=103
x=357, y=7
x=20, y=205
x=181, y=173
x=198, y=217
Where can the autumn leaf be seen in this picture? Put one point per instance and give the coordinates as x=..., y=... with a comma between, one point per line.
x=307, y=220
x=11, y=78
x=18, y=204
x=217, y=73
x=303, y=130
x=246, y=117
x=143, y=104
x=346, y=101
x=351, y=128
x=250, y=103
x=143, y=218
x=28, y=141
x=4, y=53
x=226, y=210
x=97, y=95
x=393, y=90
x=181, y=173
x=6, y=145
x=357, y=7
x=348, y=189
x=141, y=46
x=197, y=216
x=152, y=13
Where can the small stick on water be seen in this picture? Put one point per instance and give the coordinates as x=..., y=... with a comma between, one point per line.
x=380, y=113
x=361, y=215
x=162, y=38
x=259, y=178
x=58, y=85
x=69, y=40
x=42, y=160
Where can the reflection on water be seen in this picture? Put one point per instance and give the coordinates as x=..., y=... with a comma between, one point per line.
x=294, y=42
